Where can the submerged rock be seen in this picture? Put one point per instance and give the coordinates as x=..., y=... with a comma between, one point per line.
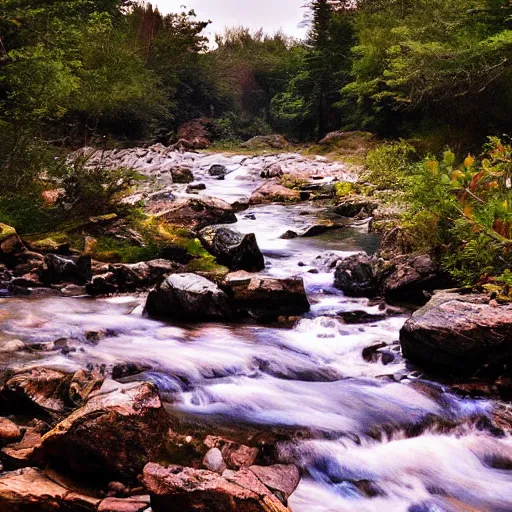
x=189, y=297
x=460, y=335
x=114, y=435
x=179, y=488
x=233, y=249
x=267, y=298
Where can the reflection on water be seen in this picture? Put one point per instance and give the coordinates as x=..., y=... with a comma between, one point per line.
x=312, y=377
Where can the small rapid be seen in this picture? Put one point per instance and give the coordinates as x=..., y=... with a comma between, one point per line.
x=375, y=436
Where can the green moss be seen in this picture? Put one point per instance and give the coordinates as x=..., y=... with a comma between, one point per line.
x=6, y=231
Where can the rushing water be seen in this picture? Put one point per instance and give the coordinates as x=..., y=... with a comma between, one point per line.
x=375, y=436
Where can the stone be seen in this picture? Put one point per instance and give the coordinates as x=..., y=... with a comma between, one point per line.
x=413, y=279
x=179, y=488
x=217, y=170
x=355, y=206
x=281, y=479
x=272, y=191
x=196, y=212
x=460, y=335
x=289, y=235
x=188, y=297
x=37, y=390
x=273, y=171
x=58, y=269
x=30, y=490
x=266, y=298
x=11, y=245
x=9, y=431
x=195, y=187
x=133, y=504
x=354, y=276
x=20, y=454
x=102, y=284
x=12, y=346
x=182, y=175
x=83, y=383
x=113, y=436
x=232, y=248
x=214, y=461
x=360, y=317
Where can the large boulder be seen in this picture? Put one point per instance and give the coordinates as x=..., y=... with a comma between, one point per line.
x=59, y=269
x=188, y=297
x=196, y=212
x=355, y=277
x=460, y=335
x=179, y=488
x=413, y=279
x=266, y=298
x=232, y=248
x=113, y=436
x=31, y=490
x=182, y=174
x=272, y=191
x=47, y=392
x=356, y=206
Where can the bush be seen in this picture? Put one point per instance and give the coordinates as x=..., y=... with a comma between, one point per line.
x=388, y=165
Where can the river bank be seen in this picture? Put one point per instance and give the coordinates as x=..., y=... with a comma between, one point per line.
x=315, y=410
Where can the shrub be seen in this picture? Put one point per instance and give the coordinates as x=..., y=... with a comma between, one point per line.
x=388, y=165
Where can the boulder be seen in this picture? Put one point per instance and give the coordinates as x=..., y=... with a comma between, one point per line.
x=197, y=212
x=232, y=248
x=9, y=431
x=11, y=245
x=281, y=479
x=218, y=171
x=356, y=206
x=190, y=297
x=58, y=269
x=460, y=335
x=38, y=391
x=182, y=174
x=179, y=488
x=272, y=191
x=272, y=171
x=354, y=276
x=113, y=436
x=413, y=279
x=194, y=188
x=266, y=297
x=30, y=490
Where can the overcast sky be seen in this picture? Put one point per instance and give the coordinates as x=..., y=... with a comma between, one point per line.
x=269, y=14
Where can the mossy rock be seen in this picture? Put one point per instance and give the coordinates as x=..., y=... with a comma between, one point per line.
x=6, y=232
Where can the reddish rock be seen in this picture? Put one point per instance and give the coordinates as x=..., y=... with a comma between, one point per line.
x=181, y=489
x=272, y=191
x=461, y=335
x=9, y=431
x=113, y=436
x=30, y=490
x=134, y=504
x=279, y=478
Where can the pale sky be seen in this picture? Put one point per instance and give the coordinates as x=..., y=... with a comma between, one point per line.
x=272, y=15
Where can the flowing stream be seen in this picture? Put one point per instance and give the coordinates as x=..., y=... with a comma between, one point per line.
x=370, y=436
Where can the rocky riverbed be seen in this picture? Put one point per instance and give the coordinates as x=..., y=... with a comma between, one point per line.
x=278, y=386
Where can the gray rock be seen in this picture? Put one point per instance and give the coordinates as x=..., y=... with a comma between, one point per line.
x=354, y=276
x=58, y=269
x=232, y=248
x=214, y=461
x=460, y=335
x=190, y=297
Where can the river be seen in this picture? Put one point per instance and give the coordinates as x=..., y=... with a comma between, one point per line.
x=370, y=436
